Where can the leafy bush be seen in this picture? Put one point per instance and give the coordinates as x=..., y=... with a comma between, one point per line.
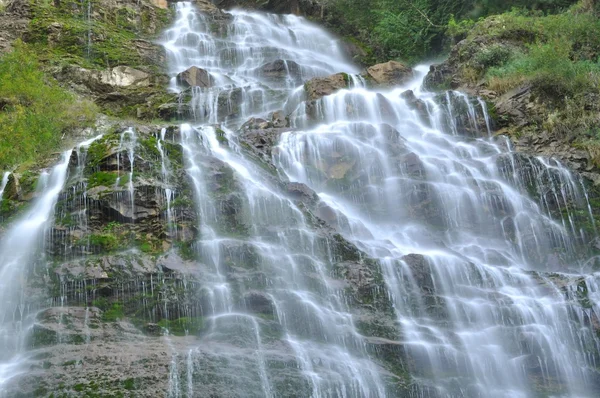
x=458, y=30
x=102, y=178
x=415, y=29
x=494, y=56
x=34, y=111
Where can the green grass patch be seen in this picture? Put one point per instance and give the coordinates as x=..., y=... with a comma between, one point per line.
x=560, y=57
x=102, y=178
x=34, y=111
x=105, y=242
x=114, y=313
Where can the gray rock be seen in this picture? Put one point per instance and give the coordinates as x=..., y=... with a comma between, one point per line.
x=321, y=86
x=195, y=77
x=391, y=73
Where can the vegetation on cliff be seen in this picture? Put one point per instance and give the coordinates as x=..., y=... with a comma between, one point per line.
x=413, y=30
x=553, y=60
x=34, y=111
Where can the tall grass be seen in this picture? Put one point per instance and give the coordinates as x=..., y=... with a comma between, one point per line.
x=34, y=111
x=562, y=52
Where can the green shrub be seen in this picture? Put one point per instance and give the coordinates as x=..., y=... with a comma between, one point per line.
x=550, y=69
x=493, y=56
x=106, y=242
x=102, y=178
x=34, y=111
x=458, y=30
x=113, y=313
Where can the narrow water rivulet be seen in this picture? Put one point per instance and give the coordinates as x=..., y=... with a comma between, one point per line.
x=354, y=241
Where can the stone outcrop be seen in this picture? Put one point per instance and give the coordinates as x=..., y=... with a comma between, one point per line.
x=14, y=22
x=321, y=86
x=108, y=80
x=195, y=77
x=279, y=71
x=391, y=73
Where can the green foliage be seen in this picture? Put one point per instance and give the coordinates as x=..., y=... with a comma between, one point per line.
x=415, y=29
x=493, y=56
x=458, y=30
x=96, y=42
x=105, y=242
x=96, y=153
x=561, y=57
x=114, y=313
x=35, y=111
x=102, y=178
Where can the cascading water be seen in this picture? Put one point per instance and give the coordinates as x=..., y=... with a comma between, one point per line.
x=128, y=142
x=3, y=183
x=169, y=193
x=269, y=231
x=432, y=261
x=19, y=247
x=474, y=241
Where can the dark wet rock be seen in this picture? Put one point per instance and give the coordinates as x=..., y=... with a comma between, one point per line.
x=322, y=86
x=279, y=119
x=258, y=303
x=415, y=104
x=440, y=76
x=469, y=123
x=195, y=77
x=262, y=142
x=391, y=73
x=301, y=192
x=421, y=271
x=279, y=71
x=14, y=22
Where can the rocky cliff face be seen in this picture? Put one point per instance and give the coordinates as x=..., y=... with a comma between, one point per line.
x=124, y=299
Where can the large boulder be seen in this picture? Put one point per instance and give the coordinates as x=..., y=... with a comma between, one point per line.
x=280, y=70
x=106, y=80
x=124, y=76
x=321, y=86
x=391, y=73
x=195, y=77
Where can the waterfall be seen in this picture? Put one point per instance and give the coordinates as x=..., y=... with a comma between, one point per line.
x=3, y=183
x=169, y=193
x=128, y=142
x=19, y=247
x=474, y=242
x=375, y=242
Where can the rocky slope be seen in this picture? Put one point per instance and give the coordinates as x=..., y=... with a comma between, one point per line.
x=536, y=115
x=120, y=286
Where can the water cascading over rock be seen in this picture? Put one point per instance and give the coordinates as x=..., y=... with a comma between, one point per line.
x=462, y=231
x=305, y=232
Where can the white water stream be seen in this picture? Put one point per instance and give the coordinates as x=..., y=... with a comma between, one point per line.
x=474, y=315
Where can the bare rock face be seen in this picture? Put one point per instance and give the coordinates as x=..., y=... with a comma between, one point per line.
x=195, y=77
x=321, y=86
x=391, y=73
x=124, y=76
x=280, y=70
x=107, y=80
